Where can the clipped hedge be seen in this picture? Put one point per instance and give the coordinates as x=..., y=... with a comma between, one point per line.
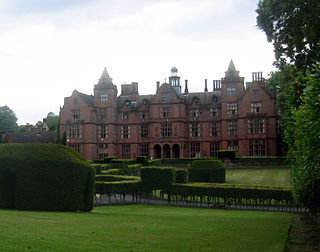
x=121, y=163
x=107, y=160
x=226, y=154
x=157, y=177
x=119, y=187
x=181, y=176
x=231, y=194
x=45, y=177
x=142, y=160
x=111, y=178
x=213, y=171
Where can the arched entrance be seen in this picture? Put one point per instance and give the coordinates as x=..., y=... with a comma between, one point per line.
x=157, y=151
x=175, y=151
x=166, y=151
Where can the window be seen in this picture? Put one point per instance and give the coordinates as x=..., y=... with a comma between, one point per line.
x=102, y=114
x=194, y=129
x=165, y=98
x=103, y=97
x=126, y=154
x=165, y=130
x=195, y=99
x=214, y=98
x=74, y=131
x=233, y=145
x=102, y=131
x=77, y=147
x=102, y=150
x=144, y=131
x=256, y=126
x=231, y=91
x=232, y=108
x=214, y=112
x=256, y=92
x=144, y=115
x=214, y=147
x=257, y=147
x=214, y=129
x=232, y=127
x=165, y=112
x=256, y=107
x=125, y=131
x=75, y=101
x=144, y=150
x=195, y=149
x=195, y=113
x=125, y=115
x=76, y=114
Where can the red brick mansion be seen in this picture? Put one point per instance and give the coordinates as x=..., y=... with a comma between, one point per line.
x=172, y=123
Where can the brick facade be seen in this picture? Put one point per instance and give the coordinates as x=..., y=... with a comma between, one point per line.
x=172, y=123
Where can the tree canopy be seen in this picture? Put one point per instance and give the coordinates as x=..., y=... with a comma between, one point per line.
x=293, y=28
x=8, y=120
x=52, y=121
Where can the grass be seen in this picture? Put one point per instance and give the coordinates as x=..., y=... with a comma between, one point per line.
x=143, y=228
x=261, y=176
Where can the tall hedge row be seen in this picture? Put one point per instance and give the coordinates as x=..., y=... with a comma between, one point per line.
x=45, y=177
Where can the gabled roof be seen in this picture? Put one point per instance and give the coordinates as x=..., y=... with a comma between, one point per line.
x=232, y=71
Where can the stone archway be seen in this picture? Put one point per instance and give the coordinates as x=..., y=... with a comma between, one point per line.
x=157, y=151
x=166, y=151
x=176, y=151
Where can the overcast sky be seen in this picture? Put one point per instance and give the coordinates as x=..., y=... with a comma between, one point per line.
x=48, y=48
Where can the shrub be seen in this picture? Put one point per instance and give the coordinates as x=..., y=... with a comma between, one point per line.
x=213, y=171
x=112, y=172
x=142, y=160
x=157, y=177
x=45, y=177
x=181, y=176
x=121, y=163
x=226, y=154
x=107, y=160
x=111, y=178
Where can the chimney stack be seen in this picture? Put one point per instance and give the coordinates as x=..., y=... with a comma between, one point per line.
x=186, y=87
x=205, y=85
x=158, y=85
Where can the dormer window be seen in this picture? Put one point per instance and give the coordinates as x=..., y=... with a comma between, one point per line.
x=125, y=115
x=195, y=99
x=165, y=98
x=103, y=97
x=256, y=107
x=144, y=115
x=214, y=112
x=75, y=101
x=127, y=103
x=145, y=102
x=76, y=114
x=214, y=99
x=195, y=113
x=231, y=91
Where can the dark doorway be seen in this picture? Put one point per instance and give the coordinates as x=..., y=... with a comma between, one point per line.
x=166, y=151
x=157, y=151
x=175, y=151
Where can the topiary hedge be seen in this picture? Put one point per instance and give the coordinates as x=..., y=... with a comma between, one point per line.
x=181, y=176
x=213, y=171
x=111, y=178
x=45, y=177
x=154, y=178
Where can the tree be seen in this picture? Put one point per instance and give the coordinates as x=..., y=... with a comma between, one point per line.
x=293, y=28
x=52, y=121
x=8, y=120
x=305, y=150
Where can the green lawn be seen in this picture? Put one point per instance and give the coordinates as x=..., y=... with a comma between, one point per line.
x=267, y=176
x=143, y=228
